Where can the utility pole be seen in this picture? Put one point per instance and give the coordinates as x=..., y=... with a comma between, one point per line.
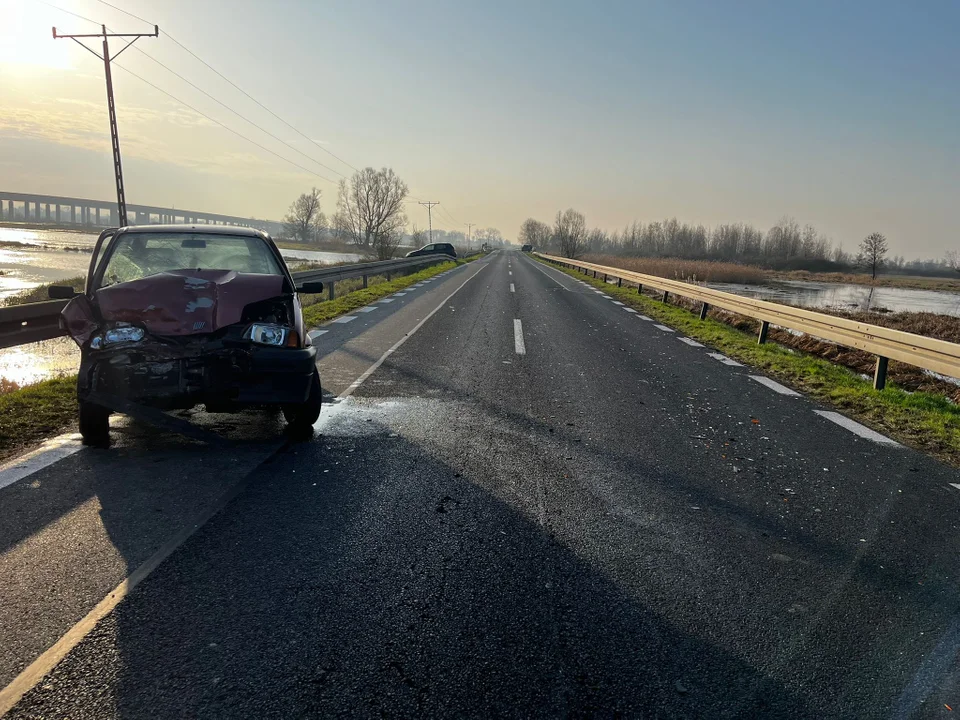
x=429, y=206
x=111, y=107
x=469, y=227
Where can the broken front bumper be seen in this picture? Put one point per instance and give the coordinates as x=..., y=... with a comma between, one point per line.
x=172, y=376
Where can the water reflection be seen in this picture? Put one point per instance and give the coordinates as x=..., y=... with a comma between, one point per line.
x=849, y=297
x=28, y=364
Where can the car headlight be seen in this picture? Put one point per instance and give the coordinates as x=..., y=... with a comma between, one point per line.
x=117, y=335
x=267, y=334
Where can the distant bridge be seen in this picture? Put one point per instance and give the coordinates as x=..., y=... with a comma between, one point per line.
x=103, y=213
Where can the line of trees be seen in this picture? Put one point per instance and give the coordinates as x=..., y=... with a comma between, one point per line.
x=785, y=246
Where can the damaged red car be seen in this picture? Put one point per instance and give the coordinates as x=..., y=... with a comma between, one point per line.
x=177, y=316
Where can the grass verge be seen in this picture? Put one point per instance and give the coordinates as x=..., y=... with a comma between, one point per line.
x=32, y=414
x=925, y=421
x=321, y=312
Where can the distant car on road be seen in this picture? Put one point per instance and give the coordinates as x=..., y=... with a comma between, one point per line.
x=526, y=248
x=174, y=316
x=434, y=249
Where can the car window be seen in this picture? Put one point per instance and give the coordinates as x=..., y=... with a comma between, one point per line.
x=138, y=255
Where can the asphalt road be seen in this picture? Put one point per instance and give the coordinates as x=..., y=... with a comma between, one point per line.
x=537, y=504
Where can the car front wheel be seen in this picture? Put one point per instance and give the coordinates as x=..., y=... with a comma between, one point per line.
x=94, y=424
x=301, y=417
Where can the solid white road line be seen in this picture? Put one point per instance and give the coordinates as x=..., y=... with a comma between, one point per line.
x=368, y=308
x=857, y=429
x=518, y=338
x=774, y=385
x=345, y=319
x=51, y=451
x=724, y=359
x=690, y=341
x=512, y=289
x=664, y=328
x=393, y=348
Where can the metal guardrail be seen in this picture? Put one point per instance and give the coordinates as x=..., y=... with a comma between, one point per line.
x=32, y=322
x=936, y=355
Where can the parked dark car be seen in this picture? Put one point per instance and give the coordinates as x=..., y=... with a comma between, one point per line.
x=433, y=249
x=174, y=316
x=526, y=248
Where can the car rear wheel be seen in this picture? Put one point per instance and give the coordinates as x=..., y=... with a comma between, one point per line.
x=94, y=424
x=302, y=417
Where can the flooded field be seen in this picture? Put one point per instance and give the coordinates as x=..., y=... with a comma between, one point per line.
x=848, y=296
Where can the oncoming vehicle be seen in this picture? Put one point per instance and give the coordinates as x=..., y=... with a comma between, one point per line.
x=526, y=248
x=434, y=249
x=174, y=316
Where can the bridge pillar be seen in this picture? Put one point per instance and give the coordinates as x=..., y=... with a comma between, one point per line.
x=49, y=214
x=97, y=210
x=58, y=212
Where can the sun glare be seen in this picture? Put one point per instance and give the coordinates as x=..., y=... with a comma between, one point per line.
x=26, y=38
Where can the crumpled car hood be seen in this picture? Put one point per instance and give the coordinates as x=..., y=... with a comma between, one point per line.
x=186, y=302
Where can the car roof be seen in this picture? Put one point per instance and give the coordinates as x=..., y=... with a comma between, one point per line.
x=197, y=229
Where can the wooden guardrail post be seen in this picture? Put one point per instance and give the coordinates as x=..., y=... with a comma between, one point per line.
x=703, y=311
x=639, y=288
x=619, y=282
x=665, y=297
x=880, y=373
x=331, y=293
x=364, y=281
x=764, y=328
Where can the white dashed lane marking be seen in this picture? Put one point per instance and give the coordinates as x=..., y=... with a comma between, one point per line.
x=857, y=429
x=724, y=359
x=617, y=302
x=774, y=385
x=955, y=485
x=316, y=333
x=512, y=289
x=606, y=296
x=689, y=341
x=368, y=308
x=345, y=319
x=664, y=328
x=518, y=338
x=399, y=294
x=629, y=310
x=644, y=317
x=385, y=300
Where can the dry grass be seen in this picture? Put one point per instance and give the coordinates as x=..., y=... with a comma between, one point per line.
x=685, y=270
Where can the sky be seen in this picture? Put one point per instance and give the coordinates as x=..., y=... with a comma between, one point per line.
x=844, y=115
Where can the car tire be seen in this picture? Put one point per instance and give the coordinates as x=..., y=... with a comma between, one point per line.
x=94, y=424
x=301, y=418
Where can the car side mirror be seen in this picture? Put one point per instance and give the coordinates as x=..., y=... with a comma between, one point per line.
x=61, y=292
x=312, y=287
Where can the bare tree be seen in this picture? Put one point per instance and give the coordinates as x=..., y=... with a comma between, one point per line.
x=873, y=252
x=305, y=221
x=418, y=238
x=370, y=209
x=535, y=233
x=570, y=232
x=953, y=259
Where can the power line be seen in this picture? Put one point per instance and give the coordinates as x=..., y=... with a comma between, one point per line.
x=225, y=127
x=237, y=87
x=239, y=115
